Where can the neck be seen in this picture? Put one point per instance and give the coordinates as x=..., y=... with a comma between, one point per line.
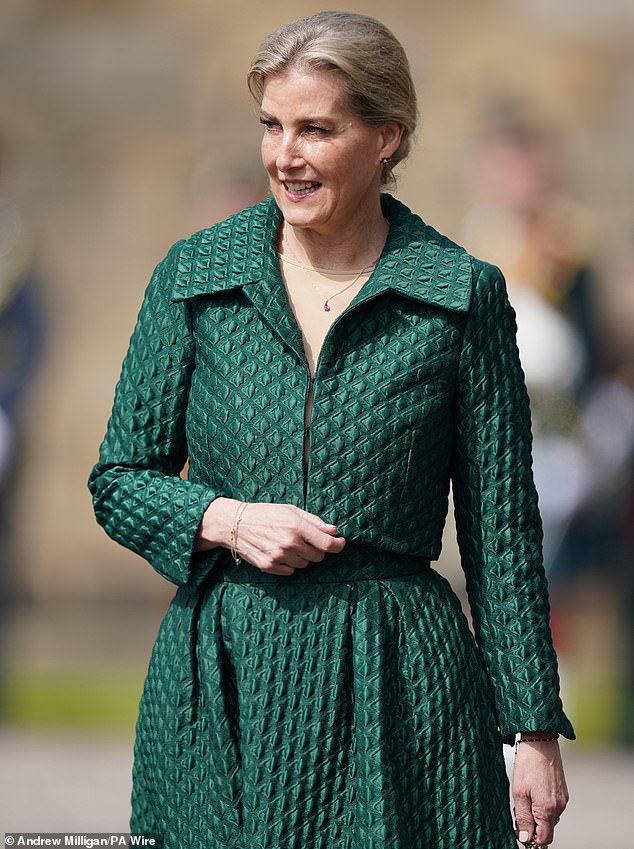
x=354, y=248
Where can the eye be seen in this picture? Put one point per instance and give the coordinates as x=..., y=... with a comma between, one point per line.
x=314, y=130
x=269, y=125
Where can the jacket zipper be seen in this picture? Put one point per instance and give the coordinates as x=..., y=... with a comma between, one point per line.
x=306, y=467
x=308, y=432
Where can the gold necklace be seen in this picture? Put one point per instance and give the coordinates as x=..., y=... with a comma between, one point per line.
x=309, y=268
x=367, y=268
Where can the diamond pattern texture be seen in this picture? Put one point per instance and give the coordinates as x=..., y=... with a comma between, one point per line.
x=347, y=706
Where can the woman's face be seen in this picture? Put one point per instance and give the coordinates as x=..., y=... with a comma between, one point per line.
x=322, y=160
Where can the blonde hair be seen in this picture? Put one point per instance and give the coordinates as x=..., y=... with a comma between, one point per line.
x=372, y=63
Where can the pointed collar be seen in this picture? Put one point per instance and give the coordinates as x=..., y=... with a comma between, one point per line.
x=417, y=261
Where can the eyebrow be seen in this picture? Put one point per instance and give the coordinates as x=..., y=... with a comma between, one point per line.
x=306, y=120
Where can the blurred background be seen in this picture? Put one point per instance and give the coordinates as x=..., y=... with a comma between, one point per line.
x=127, y=125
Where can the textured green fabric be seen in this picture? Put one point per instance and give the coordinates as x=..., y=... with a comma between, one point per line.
x=347, y=706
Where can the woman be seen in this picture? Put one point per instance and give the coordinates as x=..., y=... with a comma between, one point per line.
x=327, y=362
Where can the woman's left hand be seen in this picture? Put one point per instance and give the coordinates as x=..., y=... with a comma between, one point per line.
x=539, y=790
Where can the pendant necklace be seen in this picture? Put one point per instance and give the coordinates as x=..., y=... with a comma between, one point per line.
x=341, y=291
x=367, y=268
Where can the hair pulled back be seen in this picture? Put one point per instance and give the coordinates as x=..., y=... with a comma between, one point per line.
x=371, y=61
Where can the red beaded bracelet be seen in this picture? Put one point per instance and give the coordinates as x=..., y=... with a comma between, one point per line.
x=538, y=739
x=535, y=740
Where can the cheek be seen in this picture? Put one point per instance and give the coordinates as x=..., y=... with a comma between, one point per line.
x=268, y=156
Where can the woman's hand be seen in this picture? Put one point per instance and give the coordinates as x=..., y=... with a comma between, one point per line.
x=276, y=538
x=539, y=790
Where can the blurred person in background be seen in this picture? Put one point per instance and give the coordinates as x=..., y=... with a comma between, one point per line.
x=21, y=336
x=217, y=195
x=579, y=379
x=327, y=362
x=541, y=239
x=604, y=526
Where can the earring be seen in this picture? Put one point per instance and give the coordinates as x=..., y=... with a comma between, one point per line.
x=385, y=160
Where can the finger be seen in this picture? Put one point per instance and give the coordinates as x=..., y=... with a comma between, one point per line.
x=313, y=554
x=545, y=832
x=310, y=553
x=315, y=522
x=296, y=560
x=269, y=561
x=276, y=569
x=525, y=836
x=545, y=814
x=525, y=824
x=318, y=522
x=321, y=541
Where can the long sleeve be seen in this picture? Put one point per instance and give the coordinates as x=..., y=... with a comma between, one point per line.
x=138, y=496
x=497, y=517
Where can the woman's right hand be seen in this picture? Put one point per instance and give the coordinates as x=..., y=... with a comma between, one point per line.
x=276, y=538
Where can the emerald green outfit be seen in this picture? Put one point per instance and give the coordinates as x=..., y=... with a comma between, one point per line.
x=346, y=706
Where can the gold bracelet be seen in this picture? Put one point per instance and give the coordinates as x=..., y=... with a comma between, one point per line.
x=233, y=533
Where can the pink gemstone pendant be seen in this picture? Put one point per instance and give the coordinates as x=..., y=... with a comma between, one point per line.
x=326, y=307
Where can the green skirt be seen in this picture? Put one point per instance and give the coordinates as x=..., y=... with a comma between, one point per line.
x=343, y=707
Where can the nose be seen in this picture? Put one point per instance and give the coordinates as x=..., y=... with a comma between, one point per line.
x=288, y=153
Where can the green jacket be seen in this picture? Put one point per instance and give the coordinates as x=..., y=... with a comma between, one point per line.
x=418, y=384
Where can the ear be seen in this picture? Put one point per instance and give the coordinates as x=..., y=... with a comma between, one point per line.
x=389, y=138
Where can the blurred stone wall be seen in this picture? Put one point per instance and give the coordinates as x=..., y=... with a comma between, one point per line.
x=130, y=126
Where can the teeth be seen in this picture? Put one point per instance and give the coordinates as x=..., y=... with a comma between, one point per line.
x=299, y=188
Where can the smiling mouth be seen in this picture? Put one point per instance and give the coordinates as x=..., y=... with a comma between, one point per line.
x=300, y=187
